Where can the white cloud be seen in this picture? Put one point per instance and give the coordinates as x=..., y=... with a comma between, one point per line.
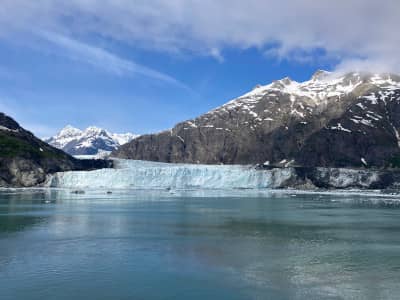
x=348, y=29
x=216, y=53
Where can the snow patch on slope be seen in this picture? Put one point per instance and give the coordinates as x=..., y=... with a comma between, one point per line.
x=322, y=86
x=8, y=129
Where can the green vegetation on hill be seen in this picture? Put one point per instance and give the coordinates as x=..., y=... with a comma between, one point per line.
x=13, y=146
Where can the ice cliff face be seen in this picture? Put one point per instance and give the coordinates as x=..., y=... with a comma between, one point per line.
x=331, y=120
x=150, y=175
x=91, y=141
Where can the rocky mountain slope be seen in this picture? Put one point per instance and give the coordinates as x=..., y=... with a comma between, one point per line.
x=352, y=120
x=91, y=141
x=26, y=160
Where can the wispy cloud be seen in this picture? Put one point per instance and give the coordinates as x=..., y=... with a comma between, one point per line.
x=103, y=59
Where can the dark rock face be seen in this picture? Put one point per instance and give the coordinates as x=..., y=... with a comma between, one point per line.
x=347, y=121
x=342, y=178
x=374, y=129
x=25, y=160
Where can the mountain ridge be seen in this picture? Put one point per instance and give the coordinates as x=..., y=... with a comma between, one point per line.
x=331, y=120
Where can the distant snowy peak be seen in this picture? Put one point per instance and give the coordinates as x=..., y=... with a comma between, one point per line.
x=70, y=131
x=123, y=138
x=91, y=141
x=66, y=135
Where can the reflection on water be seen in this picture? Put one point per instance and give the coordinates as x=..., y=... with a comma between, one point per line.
x=198, y=245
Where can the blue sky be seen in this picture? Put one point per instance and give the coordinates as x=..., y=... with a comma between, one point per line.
x=144, y=67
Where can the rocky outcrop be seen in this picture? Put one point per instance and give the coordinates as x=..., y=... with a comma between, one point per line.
x=343, y=178
x=26, y=160
x=329, y=121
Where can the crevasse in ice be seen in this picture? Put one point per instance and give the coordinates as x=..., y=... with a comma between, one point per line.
x=153, y=175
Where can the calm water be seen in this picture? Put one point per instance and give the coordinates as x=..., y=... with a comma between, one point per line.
x=198, y=245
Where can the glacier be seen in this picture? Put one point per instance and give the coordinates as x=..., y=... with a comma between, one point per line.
x=132, y=174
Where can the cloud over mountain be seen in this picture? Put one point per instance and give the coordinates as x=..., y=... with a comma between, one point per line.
x=357, y=33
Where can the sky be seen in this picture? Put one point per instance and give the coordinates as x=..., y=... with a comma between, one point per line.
x=141, y=66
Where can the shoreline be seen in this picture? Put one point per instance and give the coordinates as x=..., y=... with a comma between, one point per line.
x=216, y=192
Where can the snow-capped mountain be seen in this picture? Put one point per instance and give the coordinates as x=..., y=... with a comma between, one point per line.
x=348, y=120
x=91, y=141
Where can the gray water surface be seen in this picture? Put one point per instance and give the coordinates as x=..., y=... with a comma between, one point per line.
x=198, y=245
